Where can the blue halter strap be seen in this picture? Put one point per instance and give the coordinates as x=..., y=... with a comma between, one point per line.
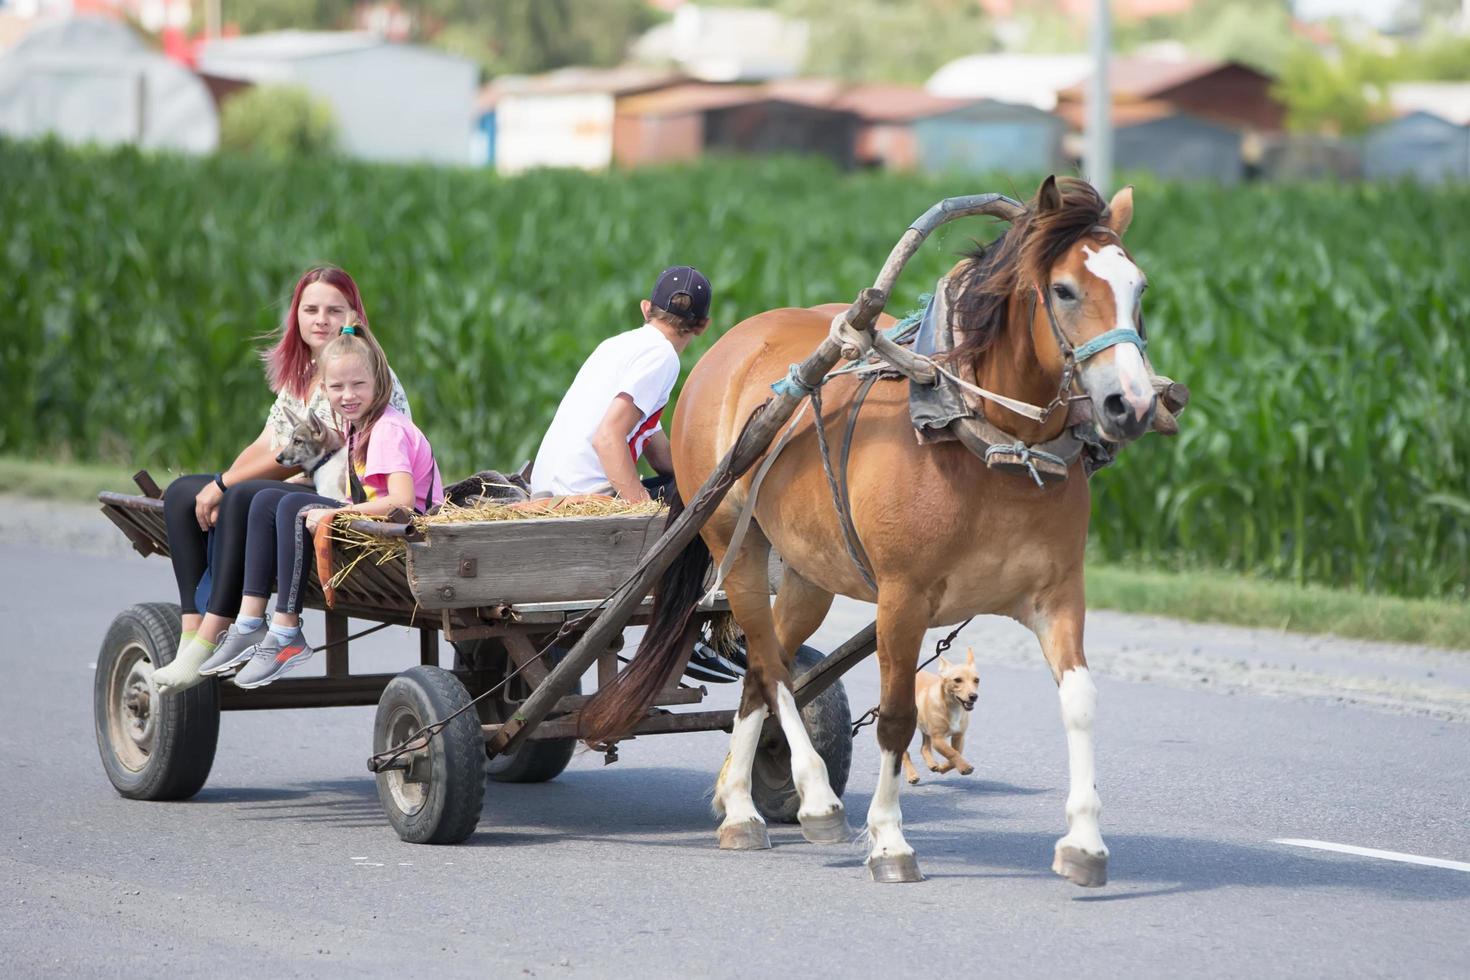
x=1114, y=337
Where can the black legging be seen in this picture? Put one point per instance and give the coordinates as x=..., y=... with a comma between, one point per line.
x=277, y=546
x=187, y=543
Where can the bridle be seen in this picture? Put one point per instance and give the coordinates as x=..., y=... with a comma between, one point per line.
x=1074, y=355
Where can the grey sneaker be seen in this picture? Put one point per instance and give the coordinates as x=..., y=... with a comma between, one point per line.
x=234, y=649
x=272, y=658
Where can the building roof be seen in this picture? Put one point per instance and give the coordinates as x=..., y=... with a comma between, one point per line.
x=627, y=80
x=291, y=45
x=1449, y=101
x=1025, y=79
x=690, y=97
x=872, y=103
x=1123, y=114
x=1138, y=79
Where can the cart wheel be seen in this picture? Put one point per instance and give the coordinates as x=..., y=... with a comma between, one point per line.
x=437, y=797
x=535, y=761
x=154, y=746
x=829, y=722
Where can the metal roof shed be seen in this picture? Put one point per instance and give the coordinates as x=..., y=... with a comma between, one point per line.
x=392, y=101
x=1421, y=145
x=1179, y=147
x=92, y=80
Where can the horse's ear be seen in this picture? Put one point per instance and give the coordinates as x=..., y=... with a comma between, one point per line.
x=1049, y=198
x=1120, y=211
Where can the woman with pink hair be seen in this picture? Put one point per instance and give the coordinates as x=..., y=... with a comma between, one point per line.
x=324, y=301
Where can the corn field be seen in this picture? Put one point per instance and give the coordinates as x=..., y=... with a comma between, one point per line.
x=1321, y=328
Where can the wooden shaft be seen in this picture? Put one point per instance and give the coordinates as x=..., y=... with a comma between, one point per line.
x=762, y=428
x=749, y=447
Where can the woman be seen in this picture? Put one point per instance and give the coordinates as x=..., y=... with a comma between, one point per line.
x=324, y=300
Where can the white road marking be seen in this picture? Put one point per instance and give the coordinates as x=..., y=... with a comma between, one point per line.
x=1322, y=845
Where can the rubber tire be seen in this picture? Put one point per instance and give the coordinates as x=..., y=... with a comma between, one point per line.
x=828, y=721
x=186, y=725
x=534, y=762
x=456, y=788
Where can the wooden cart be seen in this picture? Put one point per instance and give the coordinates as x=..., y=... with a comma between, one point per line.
x=493, y=598
x=498, y=592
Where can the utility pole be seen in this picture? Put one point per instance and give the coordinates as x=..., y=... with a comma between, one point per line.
x=1098, y=165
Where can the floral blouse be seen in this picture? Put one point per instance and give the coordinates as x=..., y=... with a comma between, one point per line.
x=279, y=423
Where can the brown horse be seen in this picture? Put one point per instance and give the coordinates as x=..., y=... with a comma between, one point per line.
x=946, y=537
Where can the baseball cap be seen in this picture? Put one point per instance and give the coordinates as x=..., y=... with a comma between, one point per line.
x=685, y=280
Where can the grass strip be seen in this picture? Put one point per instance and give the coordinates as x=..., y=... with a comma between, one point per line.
x=79, y=482
x=1216, y=597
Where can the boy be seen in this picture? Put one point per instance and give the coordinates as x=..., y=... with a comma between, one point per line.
x=609, y=417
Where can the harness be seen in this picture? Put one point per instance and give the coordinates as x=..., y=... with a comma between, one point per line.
x=916, y=349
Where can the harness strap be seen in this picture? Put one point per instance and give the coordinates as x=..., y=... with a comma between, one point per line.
x=844, y=516
x=844, y=504
x=742, y=523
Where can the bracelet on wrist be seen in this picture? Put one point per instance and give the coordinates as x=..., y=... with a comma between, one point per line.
x=219, y=481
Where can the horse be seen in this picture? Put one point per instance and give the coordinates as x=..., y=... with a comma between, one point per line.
x=945, y=536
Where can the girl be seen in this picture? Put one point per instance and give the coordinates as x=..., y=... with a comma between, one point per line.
x=322, y=302
x=390, y=464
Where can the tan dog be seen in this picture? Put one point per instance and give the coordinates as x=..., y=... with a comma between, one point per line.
x=944, y=702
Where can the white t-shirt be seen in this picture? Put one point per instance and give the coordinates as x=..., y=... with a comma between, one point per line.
x=640, y=363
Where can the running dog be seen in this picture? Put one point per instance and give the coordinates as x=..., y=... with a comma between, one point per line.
x=318, y=449
x=944, y=702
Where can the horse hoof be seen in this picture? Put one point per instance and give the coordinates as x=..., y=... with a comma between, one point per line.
x=1081, y=868
x=894, y=868
x=829, y=828
x=749, y=835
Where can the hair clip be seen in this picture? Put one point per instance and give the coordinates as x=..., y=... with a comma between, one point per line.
x=350, y=328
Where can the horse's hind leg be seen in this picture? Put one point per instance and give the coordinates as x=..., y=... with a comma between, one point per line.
x=901, y=624
x=767, y=689
x=1081, y=856
x=799, y=610
x=741, y=826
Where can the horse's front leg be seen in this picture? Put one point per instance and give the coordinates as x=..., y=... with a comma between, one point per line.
x=902, y=619
x=1081, y=856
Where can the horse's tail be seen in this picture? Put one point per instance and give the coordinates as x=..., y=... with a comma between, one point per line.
x=616, y=708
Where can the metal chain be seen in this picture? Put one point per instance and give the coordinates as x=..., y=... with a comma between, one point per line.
x=941, y=647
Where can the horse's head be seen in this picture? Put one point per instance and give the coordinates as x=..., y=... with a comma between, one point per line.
x=1090, y=289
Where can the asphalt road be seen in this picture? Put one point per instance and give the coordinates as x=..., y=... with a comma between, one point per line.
x=1212, y=743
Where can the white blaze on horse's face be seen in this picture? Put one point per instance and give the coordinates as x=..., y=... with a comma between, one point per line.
x=1113, y=266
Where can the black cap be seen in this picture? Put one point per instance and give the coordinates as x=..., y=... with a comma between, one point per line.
x=687, y=281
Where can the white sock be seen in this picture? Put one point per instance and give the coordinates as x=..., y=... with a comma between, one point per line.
x=183, y=673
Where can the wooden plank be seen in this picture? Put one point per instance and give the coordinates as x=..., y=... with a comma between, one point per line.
x=668, y=696
x=306, y=692
x=545, y=560
x=663, y=724
x=837, y=663
x=429, y=647
x=337, y=645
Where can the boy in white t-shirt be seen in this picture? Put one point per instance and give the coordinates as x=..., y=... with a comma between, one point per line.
x=609, y=417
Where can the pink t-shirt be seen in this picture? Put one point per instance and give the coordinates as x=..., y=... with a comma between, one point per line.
x=397, y=446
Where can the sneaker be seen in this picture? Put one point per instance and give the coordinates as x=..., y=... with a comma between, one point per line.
x=708, y=664
x=272, y=658
x=235, y=647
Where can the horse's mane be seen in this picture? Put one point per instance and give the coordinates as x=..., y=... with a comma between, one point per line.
x=982, y=289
